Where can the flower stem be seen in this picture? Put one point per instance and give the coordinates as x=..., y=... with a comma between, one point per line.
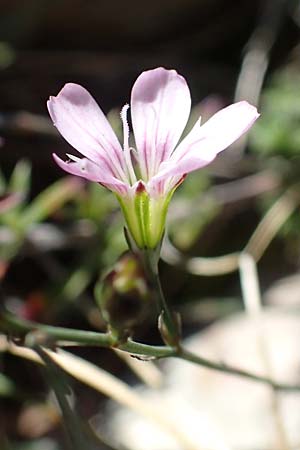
x=13, y=325
x=151, y=265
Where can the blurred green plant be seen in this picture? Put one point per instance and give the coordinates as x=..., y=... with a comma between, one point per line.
x=21, y=214
x=67, y=216
x=100, y=228
x=277, y=132
x=189, y=212
x=275, y=139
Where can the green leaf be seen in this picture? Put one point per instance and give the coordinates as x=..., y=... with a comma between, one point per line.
x=20, y=178
x=51, y=200
x=76, y=284
x=277, y=130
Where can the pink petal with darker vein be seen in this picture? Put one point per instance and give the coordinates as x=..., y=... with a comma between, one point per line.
x=160, y=107
x=81, y=122
x=220, y=131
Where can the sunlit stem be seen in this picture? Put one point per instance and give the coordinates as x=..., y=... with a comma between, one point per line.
x=151, y=258
x=47, y=334
x=126, y=147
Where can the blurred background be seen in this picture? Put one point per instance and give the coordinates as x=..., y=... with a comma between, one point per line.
x=60, y=235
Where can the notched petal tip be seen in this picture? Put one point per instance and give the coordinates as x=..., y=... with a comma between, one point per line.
x=58, y=160
x=62, y=92
x=79, y=167
x=85, y=168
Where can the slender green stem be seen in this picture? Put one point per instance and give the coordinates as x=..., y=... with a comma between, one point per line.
x=16, y=326
x=13, y=324
x=221, y=367
x=20, y=327
x=146, y=350
x=150, y=260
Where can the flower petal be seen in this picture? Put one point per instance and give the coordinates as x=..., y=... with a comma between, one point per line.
x=160, y=107
x=171, y=172
x=225, y=127
x=81, y=122
x=202, y=144
x=85, y=168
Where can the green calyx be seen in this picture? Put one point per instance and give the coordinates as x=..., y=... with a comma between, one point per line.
x=145, y=217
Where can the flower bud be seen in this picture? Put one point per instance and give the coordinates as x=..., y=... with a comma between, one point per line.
x=124, y=296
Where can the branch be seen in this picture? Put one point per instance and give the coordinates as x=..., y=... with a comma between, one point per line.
x=64, y=336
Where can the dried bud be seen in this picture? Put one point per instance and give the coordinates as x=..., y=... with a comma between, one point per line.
x=123, y=296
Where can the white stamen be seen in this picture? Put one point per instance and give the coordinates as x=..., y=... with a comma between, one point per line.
x=127, y=150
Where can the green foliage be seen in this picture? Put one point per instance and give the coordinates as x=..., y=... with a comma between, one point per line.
x=191, y=210
x=19, y=215
x=20, y=179
x=277, y=132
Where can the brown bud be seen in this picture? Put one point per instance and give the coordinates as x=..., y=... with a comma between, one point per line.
x=123, y=296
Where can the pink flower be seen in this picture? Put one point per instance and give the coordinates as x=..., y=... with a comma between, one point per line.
x=160, y=108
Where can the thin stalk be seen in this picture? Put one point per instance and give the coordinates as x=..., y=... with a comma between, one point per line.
x=21, y=327
x=150, y=261
x=221, y=367
x=13, y=324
